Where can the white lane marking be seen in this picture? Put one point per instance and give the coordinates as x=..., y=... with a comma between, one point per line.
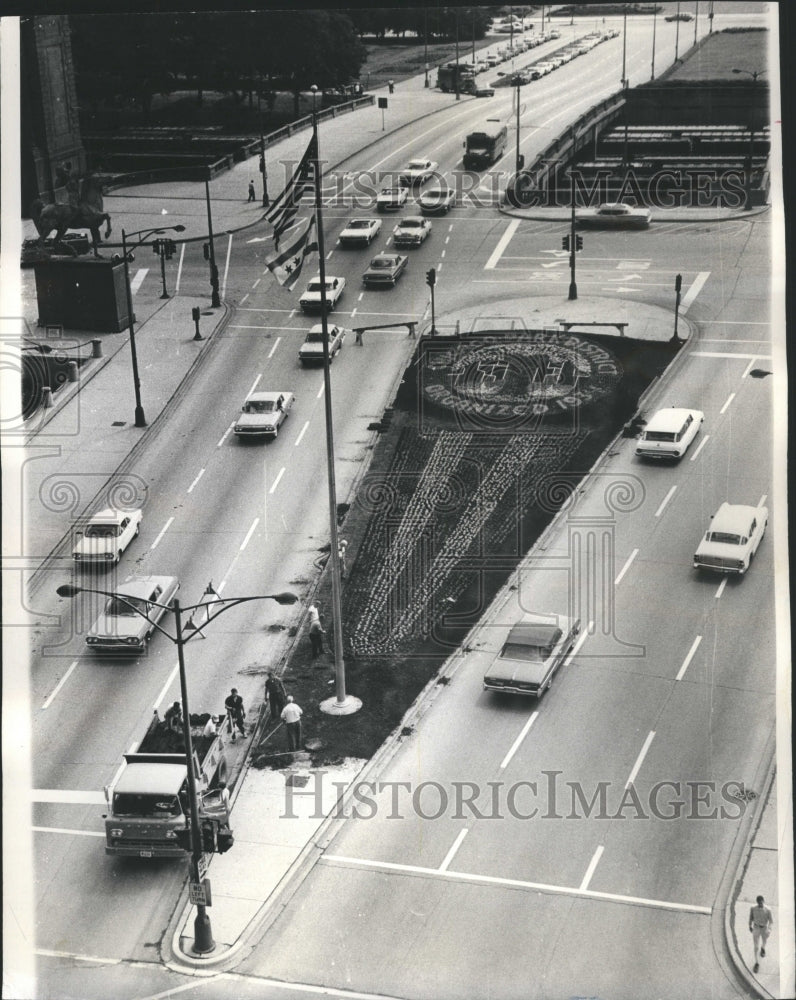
x=201, y=473
x=220, y=587
x=503, y=242
x=253, y=326
x=319, y=393
x=454, y=848
x=576, y=648
x=301, y=434
x=447, y=240
x=736, y=355
x=71, y=833
x=693, y=291
x=702, y=444
x=224, y=435
x=730, y=398
x=244, y=298
x=163, y=531
x=439, y=267
x=592, y=865
x=276, y=344
x=254, y=385
x=748, y=368
x=516, y=744
x=353, y=312
x=361, y=296
x=640, y=759
x=59, y=685
x=256, y=283
x=563, y=890
x=226, y=267
x=249, y=534
x=689, y=657
x=278, y=477
x=626, y=567
x=68, y=796
x=328, y=255
x=292, y=313
x=762, y=501
x=442, y=254
x=138, y=280
x=665, y=500
x=179, y=269
x=720, y=588
x=160, y=697
x=262, y=309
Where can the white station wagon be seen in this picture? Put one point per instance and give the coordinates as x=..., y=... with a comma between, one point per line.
x=730, y=543
x=669, y=433
x=106, y=536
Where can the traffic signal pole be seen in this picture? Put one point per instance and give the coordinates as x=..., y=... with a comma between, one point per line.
x=573, y=287
x=431, y=280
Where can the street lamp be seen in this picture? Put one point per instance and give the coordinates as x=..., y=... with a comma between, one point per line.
x=215, y=301
x=519, y=160
x=754, y=73
x=203, y=934
x=654, y=24
x=425, y=43
x=140, y=419
x=263, y=169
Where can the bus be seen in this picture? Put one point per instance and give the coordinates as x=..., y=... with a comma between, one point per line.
x=486, y=145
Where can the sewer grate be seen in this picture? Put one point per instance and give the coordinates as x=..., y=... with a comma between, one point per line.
x=118, y=423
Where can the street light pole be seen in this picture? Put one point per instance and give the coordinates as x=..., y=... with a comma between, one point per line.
x=425, y=43
x=677, y=35
x=518, y=159
x=203, y=933
x=215, y=301
x=624, y=49
x=654, y=25
x=263, y=169
x=573, y=287
x=456, y=18
x=341, y=704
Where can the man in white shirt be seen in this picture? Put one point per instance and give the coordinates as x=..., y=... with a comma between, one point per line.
x=291, y=716
x=761, y=920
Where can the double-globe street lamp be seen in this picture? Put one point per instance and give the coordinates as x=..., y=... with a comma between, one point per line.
x=203, y=934
x=140, y=419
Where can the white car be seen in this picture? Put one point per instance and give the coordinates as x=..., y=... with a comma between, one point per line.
x=614, y=215
x=669, y=433
x=535, y=648
x=263, y=413
x=360, y=232
x=437, y=202
x=106, y=536
x=411, y=231
x=418, y=172
x=543, y=67
x=129, y=617
x=390, y=199
x=310, y=301
x=731, y=541
x=311, y=351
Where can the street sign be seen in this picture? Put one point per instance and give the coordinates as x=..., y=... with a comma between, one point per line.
x=199, y=893
x=382, y=102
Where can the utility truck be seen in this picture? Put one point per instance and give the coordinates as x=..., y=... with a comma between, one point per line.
x=148, y=807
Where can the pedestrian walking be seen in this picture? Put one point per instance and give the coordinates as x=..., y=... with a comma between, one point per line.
x=391, y=86
x=291, y=716
x=761, y=920
x=316, y=638
x=277, y=697
x=251, y=191
x=222, y=787
x=236, y=713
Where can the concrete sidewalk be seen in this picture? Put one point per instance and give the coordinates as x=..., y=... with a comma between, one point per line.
x=271, y=852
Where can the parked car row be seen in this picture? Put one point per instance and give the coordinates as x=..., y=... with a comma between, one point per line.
x=563, y=55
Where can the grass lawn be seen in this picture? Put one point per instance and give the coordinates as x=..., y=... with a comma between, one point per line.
x=720, y=52
x=399, y=61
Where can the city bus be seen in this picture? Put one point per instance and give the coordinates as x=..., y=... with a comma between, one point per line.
x=486, y=145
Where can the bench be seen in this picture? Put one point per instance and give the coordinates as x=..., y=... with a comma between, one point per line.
x=566, y=326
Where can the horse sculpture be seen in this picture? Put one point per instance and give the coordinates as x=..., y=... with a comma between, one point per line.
x=63, y=217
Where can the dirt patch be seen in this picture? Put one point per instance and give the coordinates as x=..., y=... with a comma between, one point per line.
x=489, y=435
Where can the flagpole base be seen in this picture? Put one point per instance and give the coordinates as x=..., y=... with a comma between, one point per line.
x=348, y=706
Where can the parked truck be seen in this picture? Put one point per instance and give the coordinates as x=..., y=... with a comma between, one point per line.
x=446, y=78
x=148, y=808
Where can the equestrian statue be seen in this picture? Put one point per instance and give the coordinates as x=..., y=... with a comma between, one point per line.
x=83, y=210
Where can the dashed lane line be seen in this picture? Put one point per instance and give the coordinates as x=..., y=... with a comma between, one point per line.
x=688, y=658
x=503, y=242
x=66, y=796
x=201, y=473
x=51, y=697
x=626, y=567
x=727, y=404
x=301, y=434
x=276, y=481
x=138, y=280
x=640, y=759
x=592, y=865
x=68, y=832
x=561, y=890
x=273, y=349
x=163, y=531
x=694, y=289
x=452, y=852
x=702, y=444
x=518, y=742
x=665, y=500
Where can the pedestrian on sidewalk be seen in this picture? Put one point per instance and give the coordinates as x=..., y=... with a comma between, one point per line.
x=277, y=697
x=222, y=787
x=761, y=920
x=316, y=636
x=391, y=86
x=236, y=713
x=291, y=716
x=251, y=191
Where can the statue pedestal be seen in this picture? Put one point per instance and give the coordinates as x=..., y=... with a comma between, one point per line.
x=82, y=293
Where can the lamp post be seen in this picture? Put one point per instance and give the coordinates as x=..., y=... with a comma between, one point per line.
x=203, y=933
x=215, y=301
x=654, y=25
x=623, y=81
x=677, y=35
x=263, y=169
x=140, y=419
x=696, y=21
x=425, y=43
x=456, y=18
x=342, y=703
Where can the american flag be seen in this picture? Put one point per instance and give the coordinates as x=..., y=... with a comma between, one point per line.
x=284, y=209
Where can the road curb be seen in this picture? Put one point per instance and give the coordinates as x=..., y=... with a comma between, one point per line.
x=706, y=216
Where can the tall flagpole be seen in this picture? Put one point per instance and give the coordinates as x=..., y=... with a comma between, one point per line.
x=341, y=704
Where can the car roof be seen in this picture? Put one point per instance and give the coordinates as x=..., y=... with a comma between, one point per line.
x=142, y=586
x=671, y=417
x=264, y=396
x=733, y=517
x=318, y=328
x=535, y=634
x=360, y=221
x=109, y=516
x=151, y=779
x=413, y=219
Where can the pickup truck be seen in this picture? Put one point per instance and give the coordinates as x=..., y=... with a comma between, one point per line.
x=148, y=807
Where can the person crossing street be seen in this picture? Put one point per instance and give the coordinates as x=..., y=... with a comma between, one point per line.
x=236, y=714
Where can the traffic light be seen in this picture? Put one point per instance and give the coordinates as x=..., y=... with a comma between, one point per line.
x=225, y=839
x=678, y=283
x=169, y=249
x=565, y=242
x=431, y=277
x=156, y=246
x=208, y=837
x=578, y=242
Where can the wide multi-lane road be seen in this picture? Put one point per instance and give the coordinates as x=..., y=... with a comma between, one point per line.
x=252, y=518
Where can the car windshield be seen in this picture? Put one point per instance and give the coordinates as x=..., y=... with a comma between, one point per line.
x=260, y=406
x=314, y=338
x=102, y=531
x=392, y=191
x=118, y=608
x=724, y=538
x=614, y=210
x=417, y=164
x=519, y=651
x=131, y=804
x=380, y=262
x=412, y=224
x=359, y=224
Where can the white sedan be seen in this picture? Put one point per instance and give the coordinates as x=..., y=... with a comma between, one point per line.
x=311, y=351
x=263, y=413
x=310, y=301
x=418, y=172
x=129, y=617
x=411, y=231
x=614, y=215
x=360, y=232
x=390, y=199
x=535, y=648
x=106, y=536
x=731, y=541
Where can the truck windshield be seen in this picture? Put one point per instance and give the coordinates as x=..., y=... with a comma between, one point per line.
x=131, y=804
